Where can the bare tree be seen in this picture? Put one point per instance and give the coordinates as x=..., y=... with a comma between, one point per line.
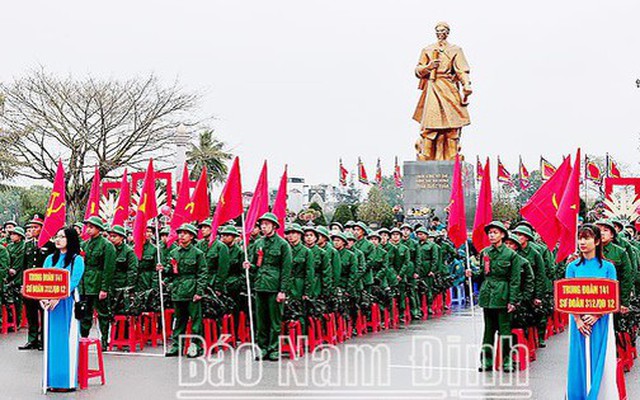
x=87, y=122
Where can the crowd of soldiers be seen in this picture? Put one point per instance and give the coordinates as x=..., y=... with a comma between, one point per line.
x=517, y=272
x=312, y=269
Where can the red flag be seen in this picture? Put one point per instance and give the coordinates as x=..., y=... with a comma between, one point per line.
x=230, y=203
x=378, y=174
x=542, y=206
x=259, y=203
x=592, y=171
x=503, y=175
x=201, y=207
x=397, y=177
x=567, y=214
x=280, y=203
x=342, y=175
x=56, y=215
x=525, y=181
x=93, y=205
x=147, y=209
x=484, y=211
x=478, y=169
x=546, y=169
x=456, y=223
x=612, y=168
x=362, y=174
x=124, y=201
x=183, y=212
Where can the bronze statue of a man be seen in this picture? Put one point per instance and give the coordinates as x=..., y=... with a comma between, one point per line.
x=441, y=110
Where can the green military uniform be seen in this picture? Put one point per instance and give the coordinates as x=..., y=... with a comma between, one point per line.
x=5, y=265
x=189, y=277
x=333, y=258
x=16, y=257
x=322, y=269
x=618, y=256
x=125, y=274
x=501, y=273
x=100, y=264
x=400, y=262
x=34, y=258
x=147, y=274
x=360, y=270
x=366, y=248
x=345, y=280
x=430, y=262
x=378, y=264
x=302, y=267
x=217, y=259
x=271, y=260
x=235, y=285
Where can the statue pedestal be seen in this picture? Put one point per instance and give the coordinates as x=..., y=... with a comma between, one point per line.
x=428, y=184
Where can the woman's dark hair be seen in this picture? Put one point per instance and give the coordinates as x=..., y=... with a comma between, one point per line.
x=73, y=246
x=591, y=231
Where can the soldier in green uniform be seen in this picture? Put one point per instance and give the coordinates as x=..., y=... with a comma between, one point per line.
x=385, y=235
x=15, y=248
x=302, y=265
x=618, y=256
x=367, y=248
x=322, y=267
x=429, y=256
x=216, y=256
x=188, y=271
x=379, y=261
x=499, y=293
x=5, y=267
x=348, y=227
x=34, y=258
x=325, y=242
x=622, y=241
x=165, y=250
x=412, y=284
x=97, y=282
x=235, y=284
x=538, y=266
x=361, y=264
x=400, y=261
x=527, y=277
x=336, y=226
x=126, y=271
x=345, y=280
x=7, y=227
x=271, y=259
x=147, y=275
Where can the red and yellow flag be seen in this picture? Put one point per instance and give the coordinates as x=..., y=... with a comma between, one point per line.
x=93, y=205
x=397, y=176
x=362, y=174
x=544, y=204
x=147, y=210
x=259, y=203
x=525, y=181
x=478, y=170
x=484, y=211
x=612, y=168
x=183, y=212
x=279, y=208
x=124, y=201
x=503, y=175
x=56, y=214
x=546, y=169
x=567, y=214
x=378, y=174
x=230, y=203
x=201, y=204
x=592, y=171
x=456, y=223
x=342, y=175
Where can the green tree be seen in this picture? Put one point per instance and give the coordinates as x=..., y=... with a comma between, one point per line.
x=34, y=201
x=391, y=193
x=312, y=214
x=10, y=199
x=343, y=214
x=210, y=152
x=376, y=209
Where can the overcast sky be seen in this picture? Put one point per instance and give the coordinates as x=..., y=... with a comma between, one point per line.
x=308, y=82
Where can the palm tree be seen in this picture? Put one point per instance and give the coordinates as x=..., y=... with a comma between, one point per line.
x=210, y=152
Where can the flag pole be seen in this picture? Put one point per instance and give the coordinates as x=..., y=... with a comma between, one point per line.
x=466, y=246
x=246, y=275
x=164, y=322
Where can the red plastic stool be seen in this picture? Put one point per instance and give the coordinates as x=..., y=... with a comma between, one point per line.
x=243, y=332
x=375, y=321
x=168, y=319
x=520, y=355
x=24, y=322
x=437, y=305
x=447, y=300
x=210, y=327
x=407, y=311
x=361, y=323
x=424, y=306
x=622, y=386
x=349, y=328
x=84, y=373
x=558, y=324
x=125, y=331
x=151, y=329
x=228, y=328
x=549, y=332
x=395, y=314
x=532, y=342
x=314, y=333
x=330, y=331
x=341, y=333
x=293, y=331
x=7, y=322
x=386, y=317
